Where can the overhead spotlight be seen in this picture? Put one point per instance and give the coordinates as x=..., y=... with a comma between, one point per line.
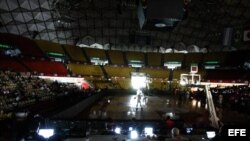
x=160, y=25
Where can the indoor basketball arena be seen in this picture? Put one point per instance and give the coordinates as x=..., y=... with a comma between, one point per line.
x=124, y=70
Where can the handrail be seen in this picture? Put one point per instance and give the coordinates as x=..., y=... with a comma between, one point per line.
x=213, y=116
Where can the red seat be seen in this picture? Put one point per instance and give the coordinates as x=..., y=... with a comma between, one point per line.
x=9, y=63
x=46, y=67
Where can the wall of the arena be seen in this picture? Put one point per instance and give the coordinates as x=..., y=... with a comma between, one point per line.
x=76, y=62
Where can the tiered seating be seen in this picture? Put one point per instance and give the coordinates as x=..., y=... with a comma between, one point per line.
x=116, y=57
x=156, y=73
x=33, y=94
x=91, y=78
x=157, y=84
x=122, y=83
x=103, y=85
x=95, y=53
x=9, y=63
x=154, y=59
x=86, y=70
x=192, y=58
x=202, y=72
x=235, y=98
x=135, y=56
x=173, y=57
x=16, y=83
x=177, y=73
x=75, y=53
x=46, y=67
x=119, y=71
x=47, y=46
x=27, y=46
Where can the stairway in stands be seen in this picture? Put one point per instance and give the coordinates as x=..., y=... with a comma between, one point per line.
x=106, y=76
x=213, y=116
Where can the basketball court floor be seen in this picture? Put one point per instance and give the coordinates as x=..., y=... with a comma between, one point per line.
x=154, y=107
x=126, y=107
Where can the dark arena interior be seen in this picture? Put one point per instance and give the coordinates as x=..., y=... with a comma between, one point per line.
x=124, y=70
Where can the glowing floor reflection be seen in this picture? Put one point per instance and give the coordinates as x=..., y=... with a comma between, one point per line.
x=135, y=103
x=151, y=108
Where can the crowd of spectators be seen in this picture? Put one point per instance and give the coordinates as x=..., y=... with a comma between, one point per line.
x=19, y=90
x=235, y=98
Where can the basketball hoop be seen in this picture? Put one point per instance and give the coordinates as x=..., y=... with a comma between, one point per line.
x=190, y=79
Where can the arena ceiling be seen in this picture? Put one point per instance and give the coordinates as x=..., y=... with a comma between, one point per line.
x=112, y=23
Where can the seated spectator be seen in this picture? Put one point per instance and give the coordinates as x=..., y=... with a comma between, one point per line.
x=169, y=123
x=175, y=133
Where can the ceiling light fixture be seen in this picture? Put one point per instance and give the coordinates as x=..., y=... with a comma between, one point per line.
x=160, y=25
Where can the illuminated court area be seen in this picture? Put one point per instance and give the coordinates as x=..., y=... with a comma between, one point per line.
x=140, y=105
x=125, y=107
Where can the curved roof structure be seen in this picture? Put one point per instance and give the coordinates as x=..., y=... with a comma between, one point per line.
x=209, y=25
